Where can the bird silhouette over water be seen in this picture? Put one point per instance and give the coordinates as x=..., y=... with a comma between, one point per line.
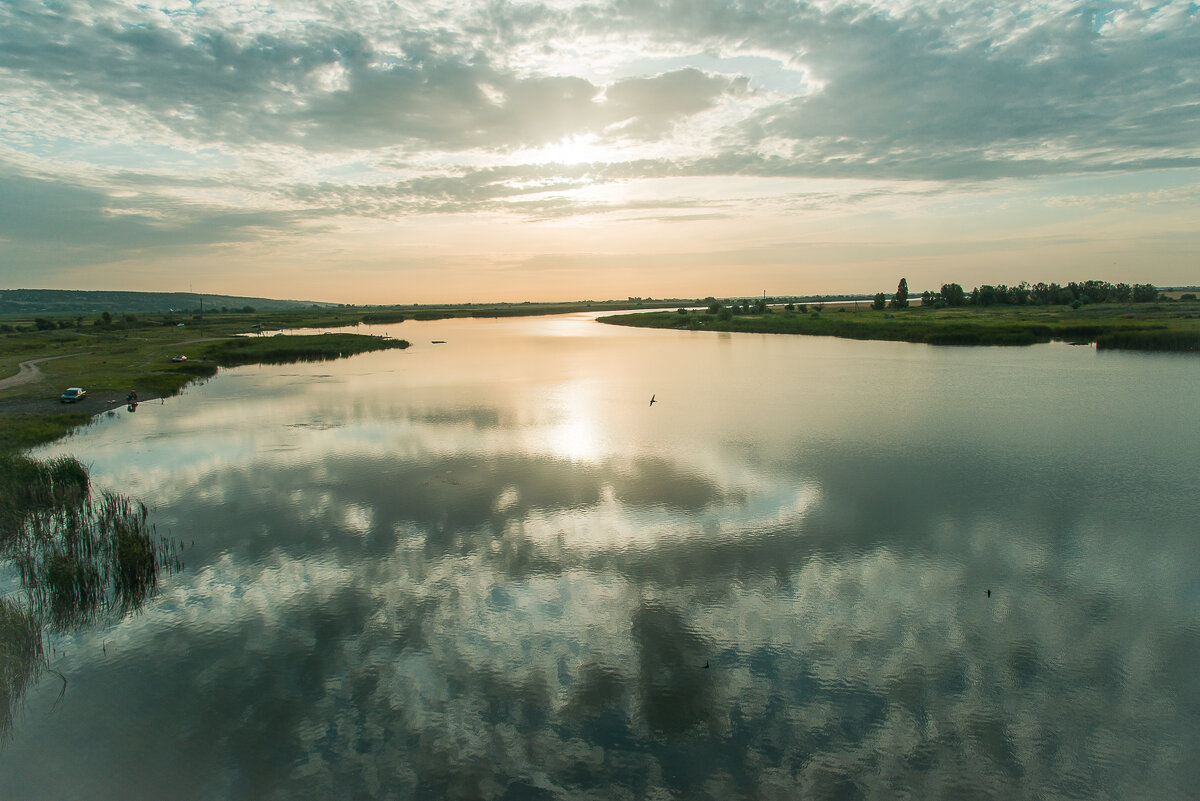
x=651, y=400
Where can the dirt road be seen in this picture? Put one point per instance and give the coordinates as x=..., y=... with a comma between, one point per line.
x=28, y=371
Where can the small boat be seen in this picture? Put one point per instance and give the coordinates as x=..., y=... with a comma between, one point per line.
x=179, y=358
x=438, y=342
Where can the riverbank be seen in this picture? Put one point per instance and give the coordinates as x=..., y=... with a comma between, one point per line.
x=1172, y=326
x=111, y=364
x=117, y=353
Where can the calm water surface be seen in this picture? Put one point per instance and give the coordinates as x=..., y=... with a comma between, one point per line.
x=490, y=569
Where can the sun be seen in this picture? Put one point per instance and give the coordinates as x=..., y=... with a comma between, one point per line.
x=582, y=149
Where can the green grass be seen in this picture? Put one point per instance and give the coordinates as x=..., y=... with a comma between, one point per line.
x=24, y=430
x=291, y=349
x=1148, y=326
x=111, y=363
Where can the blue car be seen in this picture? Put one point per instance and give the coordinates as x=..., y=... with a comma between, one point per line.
x=73, y=394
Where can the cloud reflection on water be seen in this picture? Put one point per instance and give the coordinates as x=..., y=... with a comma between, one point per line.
x=417, y=627
x=436, y=600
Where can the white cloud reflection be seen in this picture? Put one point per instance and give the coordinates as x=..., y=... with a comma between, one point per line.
x=401, y=583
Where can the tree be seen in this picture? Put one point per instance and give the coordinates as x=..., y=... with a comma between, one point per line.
x=879, y=302
x=714, y=307
x=1144, y=293
x=953, y=295
x=900, y=300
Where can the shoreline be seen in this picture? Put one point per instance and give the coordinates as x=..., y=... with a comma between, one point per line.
x=34, y=415
x=1158, y=327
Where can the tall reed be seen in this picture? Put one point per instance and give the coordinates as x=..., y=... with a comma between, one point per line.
x=80, y=556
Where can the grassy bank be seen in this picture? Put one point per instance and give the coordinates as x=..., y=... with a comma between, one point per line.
x=108, y=364
x=116, y=352
x=291, y=349
x=1143, y=326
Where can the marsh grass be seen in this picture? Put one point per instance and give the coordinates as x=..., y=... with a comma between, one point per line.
x=22, y=658
x=1150, y=340
x=29, y=488
x=1133, y=326
x=296, y=348
x=81, y=558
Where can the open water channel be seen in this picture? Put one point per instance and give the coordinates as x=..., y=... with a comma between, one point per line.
x=490, y=569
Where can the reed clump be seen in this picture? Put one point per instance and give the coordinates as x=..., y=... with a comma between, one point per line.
x=29, y=487
x=22, y=658
x=80, y=556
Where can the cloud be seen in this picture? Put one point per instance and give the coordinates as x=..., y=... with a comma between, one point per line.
x=323, y=88
x=55, y=222
x=306, y=110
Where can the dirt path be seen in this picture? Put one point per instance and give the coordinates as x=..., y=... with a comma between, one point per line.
x=28, y=371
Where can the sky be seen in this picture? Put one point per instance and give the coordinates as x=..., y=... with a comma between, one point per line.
x=389, y=151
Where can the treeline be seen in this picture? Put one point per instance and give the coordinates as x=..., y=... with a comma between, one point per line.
x=1074, y=294
x=28, y=303
x=108, y=321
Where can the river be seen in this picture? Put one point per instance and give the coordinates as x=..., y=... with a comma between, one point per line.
x=490, y=568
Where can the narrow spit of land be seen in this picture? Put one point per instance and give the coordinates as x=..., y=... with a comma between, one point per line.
x=1171, y=326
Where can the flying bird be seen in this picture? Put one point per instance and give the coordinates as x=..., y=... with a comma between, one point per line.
x=651, y=400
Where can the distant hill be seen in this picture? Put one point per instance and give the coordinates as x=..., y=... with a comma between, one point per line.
x=71, y=301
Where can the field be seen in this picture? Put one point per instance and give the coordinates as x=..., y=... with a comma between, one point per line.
x=1173, y=326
